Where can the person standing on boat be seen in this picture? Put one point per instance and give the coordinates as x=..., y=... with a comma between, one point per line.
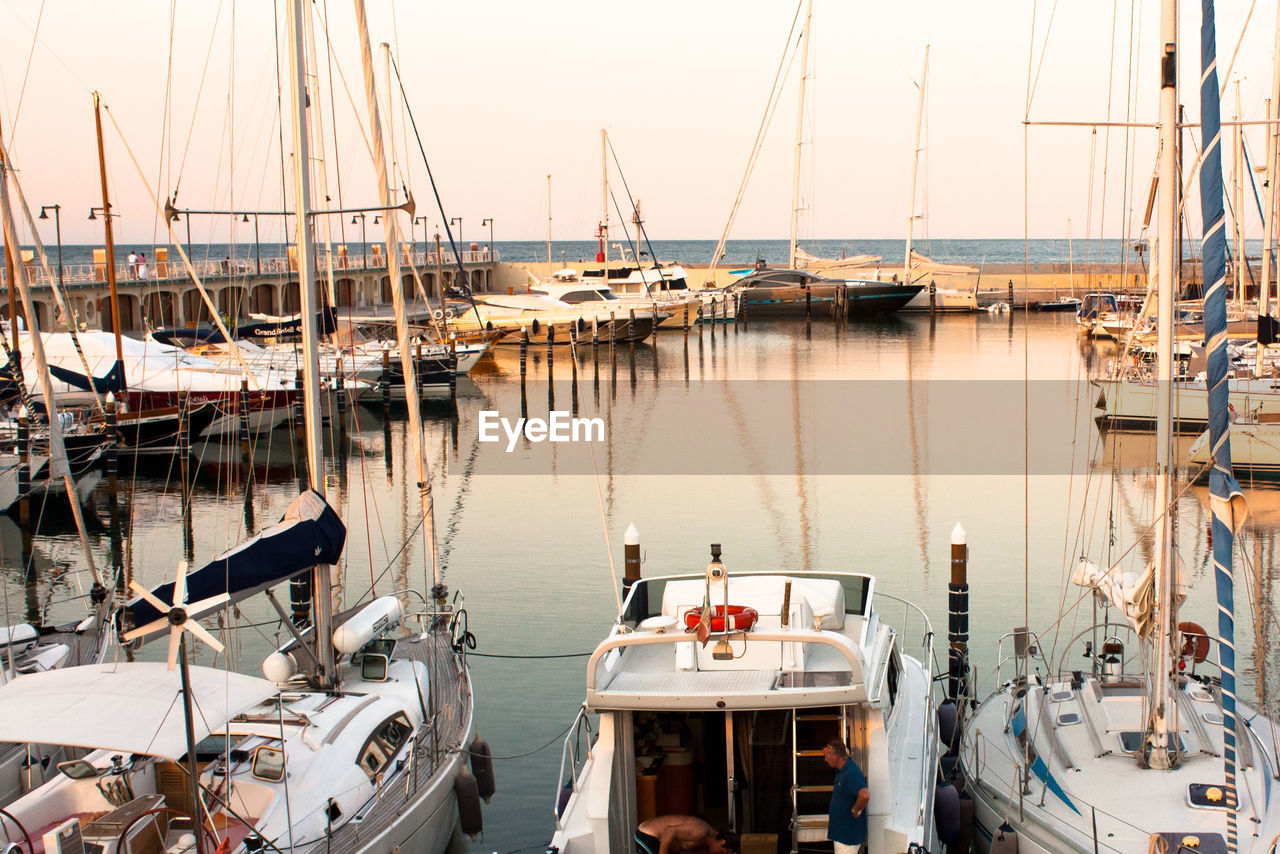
x=847, y=817
x=133, y=265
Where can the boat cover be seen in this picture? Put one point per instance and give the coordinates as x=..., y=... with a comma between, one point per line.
x=310, y=533
x=126, y=707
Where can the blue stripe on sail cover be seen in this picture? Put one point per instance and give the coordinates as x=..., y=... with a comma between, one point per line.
x=1221, y=484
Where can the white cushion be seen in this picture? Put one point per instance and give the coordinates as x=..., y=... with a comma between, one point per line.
x=825, y=597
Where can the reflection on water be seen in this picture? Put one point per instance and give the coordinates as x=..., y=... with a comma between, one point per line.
x=528, y=554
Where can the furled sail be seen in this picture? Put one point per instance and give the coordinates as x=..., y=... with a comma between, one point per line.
x=1130, y=592
x=1225, y=500
x=113, y=381
x=310, y=533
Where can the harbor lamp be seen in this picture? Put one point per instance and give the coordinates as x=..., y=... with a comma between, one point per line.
x=461, y=245
x=57, y=227
x=364, y=247
x=489, y=222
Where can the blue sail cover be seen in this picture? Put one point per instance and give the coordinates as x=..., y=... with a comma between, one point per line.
x=112, y=382
x=257, y=331
x=1223, y=489
x=309, y=533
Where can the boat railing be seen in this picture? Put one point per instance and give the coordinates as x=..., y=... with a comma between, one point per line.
x=239, y=267
x=569, y=758
x=1019, y=788
x=911, y=613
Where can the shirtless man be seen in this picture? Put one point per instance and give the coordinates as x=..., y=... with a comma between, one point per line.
x=667, y=834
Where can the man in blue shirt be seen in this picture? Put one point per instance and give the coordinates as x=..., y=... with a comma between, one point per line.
x=847, y=819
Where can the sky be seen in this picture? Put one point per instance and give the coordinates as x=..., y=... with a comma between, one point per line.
x=505, y=92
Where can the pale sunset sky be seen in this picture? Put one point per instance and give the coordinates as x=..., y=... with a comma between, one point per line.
x=505, y=92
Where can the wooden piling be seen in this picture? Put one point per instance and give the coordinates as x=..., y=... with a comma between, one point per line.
x=24, y=470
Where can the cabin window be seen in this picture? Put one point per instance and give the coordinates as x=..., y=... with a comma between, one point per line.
x=268, y=764
x=891, y=676
x=676, y=284
x=575, y=297
x=383, y=745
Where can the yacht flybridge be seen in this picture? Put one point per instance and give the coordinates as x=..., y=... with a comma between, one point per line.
x=751, y=699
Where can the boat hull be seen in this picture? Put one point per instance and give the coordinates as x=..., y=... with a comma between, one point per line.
x=863, y=299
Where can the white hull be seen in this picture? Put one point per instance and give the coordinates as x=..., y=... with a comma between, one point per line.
x=1255, y=448
x=1133, y=403
x=946, y=299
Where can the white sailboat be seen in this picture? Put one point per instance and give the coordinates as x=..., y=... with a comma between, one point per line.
x=357, y=741
x=1144, y=748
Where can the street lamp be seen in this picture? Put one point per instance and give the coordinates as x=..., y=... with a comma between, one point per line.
x=364, y=247
x=416, y=220
x=458, y=220
x=57, y=227
x=257, y=247
x=489, y=222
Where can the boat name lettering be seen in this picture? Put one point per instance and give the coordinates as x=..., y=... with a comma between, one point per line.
x=559, y=426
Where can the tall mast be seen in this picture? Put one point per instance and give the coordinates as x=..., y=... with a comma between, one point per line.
x=1159, y=753
x=795, y=172
x=604, y=201
x=10, y=278
x=407, y=360
x=1273, y=152
x=321, y=582
x=548, y=223
x=1237, y=201
x=915, y=167
x=110, y=237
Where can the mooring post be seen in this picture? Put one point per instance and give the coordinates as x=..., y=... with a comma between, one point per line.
x=243, y=406
x=631, y=328
x=686, y=320
x=551, y=345
x=933, y=296
x=631, y=572
x=595, y=336
x=386, y=378
x=113, y=447
x=24, y=469
x=958, y=616
x=299, y=428
x=341, y=385
x=1011, y=294
x=655, y=322
x=808, y=301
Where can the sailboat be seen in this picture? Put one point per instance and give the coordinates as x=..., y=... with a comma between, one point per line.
x=356, y=742
x=1142, y=745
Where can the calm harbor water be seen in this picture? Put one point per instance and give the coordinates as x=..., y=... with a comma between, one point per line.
x=826, y=446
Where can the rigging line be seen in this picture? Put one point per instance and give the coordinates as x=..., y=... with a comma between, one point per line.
x=182, y=253
x=337, y=160
x=766, y=119
x=346, y=88
x=457, y=255
x=164, y=163
x=35, y=36
x=1106, y=137
x=54, y=54
x=284, y=190
x=1044, y=51
x=195, y=108
x=1026, y=365
x=644, y=232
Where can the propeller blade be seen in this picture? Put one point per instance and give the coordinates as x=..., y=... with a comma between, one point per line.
x=175, y=635
x=199, y=631
x=197, y=609
x=150, y=628
x=180, y=584
x=150, y=598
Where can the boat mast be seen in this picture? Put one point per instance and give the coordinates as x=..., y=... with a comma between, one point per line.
x=1159, y=752
x=604, y=202
x=795, y=171
x=110, y=237
x=1273, y=151
x=1237, y=201
x=321, y=581
x=548, y=223
x=407, y=359
x=915, y=167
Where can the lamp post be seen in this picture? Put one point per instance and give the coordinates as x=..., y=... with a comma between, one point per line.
x=257, y=247
x=489, y=222
x=423, y=220
x=364, y=247
x=57, y=227
x=458, y=220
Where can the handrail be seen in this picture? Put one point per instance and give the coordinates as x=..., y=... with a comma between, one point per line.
x=930, y=720
x=237, y=267
x=831, y=639
x=567, y=752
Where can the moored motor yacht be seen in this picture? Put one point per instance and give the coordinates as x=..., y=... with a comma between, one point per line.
x=747, y=678
x=779, y=291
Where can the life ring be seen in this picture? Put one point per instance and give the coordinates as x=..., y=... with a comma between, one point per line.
x=437, y=314
x=741, y=618
x=1195, y=641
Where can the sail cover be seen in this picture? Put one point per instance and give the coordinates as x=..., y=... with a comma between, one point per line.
x=310, y=533
x=1132, y=593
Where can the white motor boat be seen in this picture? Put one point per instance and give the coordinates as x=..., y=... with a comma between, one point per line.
x=800, y=658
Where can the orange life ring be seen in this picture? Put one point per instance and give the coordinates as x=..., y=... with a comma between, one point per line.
x=1195, y=641
x=741, y=618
